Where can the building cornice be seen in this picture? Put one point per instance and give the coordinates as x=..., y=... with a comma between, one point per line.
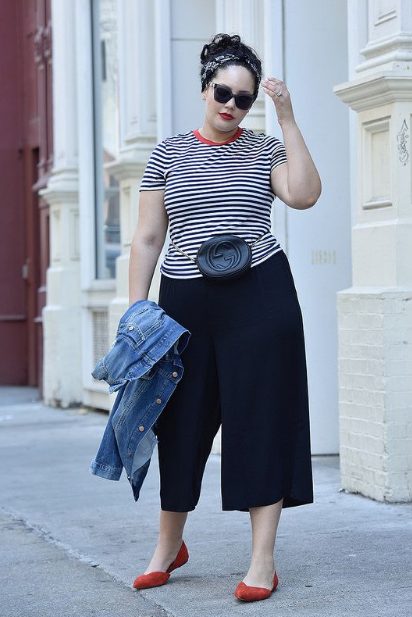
x=375, y=90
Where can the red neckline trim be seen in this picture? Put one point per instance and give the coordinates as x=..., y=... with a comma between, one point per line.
x=200, y=137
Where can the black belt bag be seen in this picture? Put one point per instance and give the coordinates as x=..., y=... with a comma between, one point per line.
x=223, y=256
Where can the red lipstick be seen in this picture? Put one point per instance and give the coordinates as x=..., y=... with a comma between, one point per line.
x=226, y=116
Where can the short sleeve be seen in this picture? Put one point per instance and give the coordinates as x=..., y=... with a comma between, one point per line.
x=154, y=174
x=278, y=155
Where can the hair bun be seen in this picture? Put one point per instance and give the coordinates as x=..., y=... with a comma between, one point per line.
x=220, y=42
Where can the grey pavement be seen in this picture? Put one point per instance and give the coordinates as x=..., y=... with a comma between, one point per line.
x=73, y=543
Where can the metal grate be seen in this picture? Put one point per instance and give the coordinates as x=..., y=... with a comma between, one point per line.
x=100, y=334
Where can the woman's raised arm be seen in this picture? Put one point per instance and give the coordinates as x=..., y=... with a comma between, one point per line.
x=296, y=182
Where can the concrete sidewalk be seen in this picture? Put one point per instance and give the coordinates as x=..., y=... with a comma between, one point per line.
x=75, y=542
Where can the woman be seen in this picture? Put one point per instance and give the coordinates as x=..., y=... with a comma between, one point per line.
x=244, y=367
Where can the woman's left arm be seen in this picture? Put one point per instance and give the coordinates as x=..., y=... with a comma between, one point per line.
x=296, y=182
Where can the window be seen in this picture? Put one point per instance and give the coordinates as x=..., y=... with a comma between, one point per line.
x=106, y=135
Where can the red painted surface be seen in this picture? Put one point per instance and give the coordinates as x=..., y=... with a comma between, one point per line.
x=25, y=163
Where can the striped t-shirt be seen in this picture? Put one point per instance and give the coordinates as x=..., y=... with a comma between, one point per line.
x=214, y=188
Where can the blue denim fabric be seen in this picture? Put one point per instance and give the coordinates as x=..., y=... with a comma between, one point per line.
x=144, y=366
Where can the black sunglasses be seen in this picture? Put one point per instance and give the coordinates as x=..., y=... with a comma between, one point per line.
x=223, y=94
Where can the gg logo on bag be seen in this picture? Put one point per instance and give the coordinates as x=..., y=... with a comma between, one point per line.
x=224, y=255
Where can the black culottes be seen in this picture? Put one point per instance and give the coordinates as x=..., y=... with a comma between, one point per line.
x=244, y=369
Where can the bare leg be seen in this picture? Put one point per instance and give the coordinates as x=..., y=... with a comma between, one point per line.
x=169, y=541
x=264, y=521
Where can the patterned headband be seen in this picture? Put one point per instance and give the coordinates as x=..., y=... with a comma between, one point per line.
x=209, y=68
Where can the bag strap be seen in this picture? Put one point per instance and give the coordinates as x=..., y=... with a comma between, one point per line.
x=194, y=260
x=183, y=252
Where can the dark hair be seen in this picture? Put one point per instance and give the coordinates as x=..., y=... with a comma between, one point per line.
x=212, y=58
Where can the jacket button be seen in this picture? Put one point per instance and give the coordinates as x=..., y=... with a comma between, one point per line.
x=130, y=328
x=141, y=428
x=158, y=400
x=175, y=374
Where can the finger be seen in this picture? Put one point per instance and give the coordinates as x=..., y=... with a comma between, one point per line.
x=272, y=80
x=276, y=89
x=271, y=87
x=268, y=90
x=275, y=86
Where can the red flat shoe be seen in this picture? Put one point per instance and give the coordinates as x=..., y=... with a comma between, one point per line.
x=154, y=579
x=249, y=593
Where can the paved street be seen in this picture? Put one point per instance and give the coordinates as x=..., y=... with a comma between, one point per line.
x=73, y=543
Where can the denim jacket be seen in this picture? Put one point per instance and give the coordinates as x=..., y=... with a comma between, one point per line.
x=144, y=366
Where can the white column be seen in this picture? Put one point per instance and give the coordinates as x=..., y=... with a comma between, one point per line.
x=138, y=133
x=375, y=314
x=61, y=315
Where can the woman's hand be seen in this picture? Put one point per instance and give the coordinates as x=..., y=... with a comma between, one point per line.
x=278, y=92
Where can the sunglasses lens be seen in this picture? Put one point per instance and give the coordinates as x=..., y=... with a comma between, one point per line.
x=244, y=101
x=222, y=94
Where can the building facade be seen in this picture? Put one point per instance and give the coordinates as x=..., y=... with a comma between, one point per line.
x=126, y=75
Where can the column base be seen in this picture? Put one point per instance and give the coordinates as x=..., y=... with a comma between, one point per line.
x=375, y=392
x=62, y=375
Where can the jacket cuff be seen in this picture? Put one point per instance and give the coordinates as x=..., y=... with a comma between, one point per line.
x=105, y=471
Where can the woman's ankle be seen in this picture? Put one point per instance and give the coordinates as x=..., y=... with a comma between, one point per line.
x=169, y=543
x=265, y=560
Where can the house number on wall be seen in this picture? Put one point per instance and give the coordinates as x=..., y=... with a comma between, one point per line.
x=320, y=257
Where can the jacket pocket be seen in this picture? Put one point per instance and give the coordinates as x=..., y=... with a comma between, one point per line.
x=136, y=334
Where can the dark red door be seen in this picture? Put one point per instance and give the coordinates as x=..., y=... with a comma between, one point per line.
x=25, y=164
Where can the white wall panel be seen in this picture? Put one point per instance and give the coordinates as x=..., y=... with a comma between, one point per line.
x=319, y=239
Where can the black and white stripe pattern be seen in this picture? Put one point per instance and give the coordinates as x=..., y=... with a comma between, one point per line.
x=211, y=189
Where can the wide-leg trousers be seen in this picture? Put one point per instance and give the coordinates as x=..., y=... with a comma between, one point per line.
x=244, y=370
